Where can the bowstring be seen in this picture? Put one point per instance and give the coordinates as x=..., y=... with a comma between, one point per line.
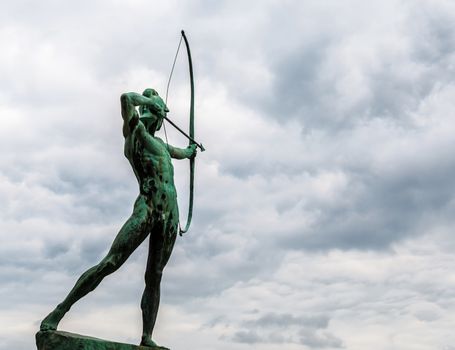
x=169, y=83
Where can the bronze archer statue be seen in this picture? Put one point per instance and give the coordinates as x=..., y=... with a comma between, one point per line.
x=155, y=212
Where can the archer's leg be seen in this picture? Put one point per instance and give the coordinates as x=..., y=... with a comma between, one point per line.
x=161, y=243
x=131, y=235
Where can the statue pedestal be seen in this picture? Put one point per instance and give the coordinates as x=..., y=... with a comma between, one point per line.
x=58, y=340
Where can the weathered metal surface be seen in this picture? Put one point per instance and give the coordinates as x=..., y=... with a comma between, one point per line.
x=58, y=340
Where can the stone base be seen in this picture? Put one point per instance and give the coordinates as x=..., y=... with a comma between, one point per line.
x=58, y=340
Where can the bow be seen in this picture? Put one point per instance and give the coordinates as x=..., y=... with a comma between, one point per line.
x=191, y=129
x=190, y=204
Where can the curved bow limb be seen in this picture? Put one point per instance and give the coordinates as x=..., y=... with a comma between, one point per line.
x=191, y=138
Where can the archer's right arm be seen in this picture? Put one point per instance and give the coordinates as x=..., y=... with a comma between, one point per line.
x=129, y=102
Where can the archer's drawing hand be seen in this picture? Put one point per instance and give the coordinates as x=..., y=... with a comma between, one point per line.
x=158, y=105
x=191, y=149
x=163, y=110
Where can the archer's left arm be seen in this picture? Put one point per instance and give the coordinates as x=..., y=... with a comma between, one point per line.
x=182, y=153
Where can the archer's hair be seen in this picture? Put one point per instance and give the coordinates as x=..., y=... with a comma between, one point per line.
x=150, y=92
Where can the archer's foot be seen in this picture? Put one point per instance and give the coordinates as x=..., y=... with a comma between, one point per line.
x=52, y=320
x=147, y=341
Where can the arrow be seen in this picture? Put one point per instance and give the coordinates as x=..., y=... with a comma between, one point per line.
x=185, y=134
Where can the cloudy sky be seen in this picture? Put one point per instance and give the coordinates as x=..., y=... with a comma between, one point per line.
x=324, y=205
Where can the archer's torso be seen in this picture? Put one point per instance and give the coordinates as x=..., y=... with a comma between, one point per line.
x=151, y=163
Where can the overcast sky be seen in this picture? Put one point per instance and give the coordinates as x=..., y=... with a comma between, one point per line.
x=324, y=204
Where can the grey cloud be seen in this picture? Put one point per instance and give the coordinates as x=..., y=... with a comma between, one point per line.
x=385, y=210
x=307, y=77
x=53, y=249
x=208, y=273
x=307, y=330
x=298, y=90
x=437, y=38
x=286, y=320
x=320, y=340
x=247, y=337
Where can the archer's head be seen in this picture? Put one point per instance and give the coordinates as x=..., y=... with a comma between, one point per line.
x=152, y=118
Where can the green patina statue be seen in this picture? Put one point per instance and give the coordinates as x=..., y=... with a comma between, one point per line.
x=155, y=211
